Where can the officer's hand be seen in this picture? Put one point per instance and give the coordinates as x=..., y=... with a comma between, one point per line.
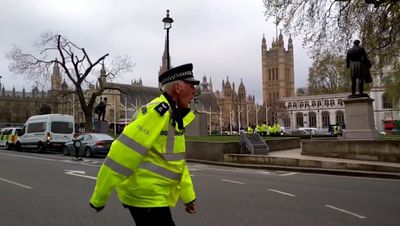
x=98, y=209
x=191, y=208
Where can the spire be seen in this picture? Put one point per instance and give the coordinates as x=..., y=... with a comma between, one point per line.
x=204, y=84
x=290, y=43
x=64, y=85
x=211, y=87
x=164, y=59
x=103, y=74
x=280, y=41
x=56, y=69
x=103, y=71
x=56, y=77
x=263, y=43
x=227, y=84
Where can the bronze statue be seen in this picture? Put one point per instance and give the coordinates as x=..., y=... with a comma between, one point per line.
x=100, y=109
x=358, y=63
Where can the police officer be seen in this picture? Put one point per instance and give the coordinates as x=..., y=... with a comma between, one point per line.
x=146, y=163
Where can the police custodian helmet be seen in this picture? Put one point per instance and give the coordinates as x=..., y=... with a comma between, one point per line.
x=183, y=72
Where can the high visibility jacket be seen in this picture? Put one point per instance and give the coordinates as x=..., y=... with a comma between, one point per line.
x=146, y=163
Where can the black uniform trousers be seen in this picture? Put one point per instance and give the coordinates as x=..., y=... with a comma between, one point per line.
x=154, y=216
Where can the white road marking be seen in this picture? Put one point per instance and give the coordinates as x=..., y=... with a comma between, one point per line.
x=15, y=183
x=345, y=211
x=79, y=163
x=243, y=170
x=232, y=181
x=288, y=174
x=79, y=173
x=263, y=172
x=281, y=192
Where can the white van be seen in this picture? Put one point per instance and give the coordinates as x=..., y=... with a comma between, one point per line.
x=43, y=132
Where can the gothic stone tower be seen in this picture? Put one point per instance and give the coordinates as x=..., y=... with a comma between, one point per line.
x=277, y=70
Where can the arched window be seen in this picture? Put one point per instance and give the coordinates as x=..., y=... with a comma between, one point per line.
x=313, y=103
x=286, y=121
x=289, y=105
x=340, y=118
x=312, y=119
x=299, y=120
x=325, y=119
x=385, y=101
x=301, y=104
x=319, y=103
x=326, y=102
x=332, y=102
x=294, y=105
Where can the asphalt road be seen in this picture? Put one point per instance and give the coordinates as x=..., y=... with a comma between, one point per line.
x=51, y=189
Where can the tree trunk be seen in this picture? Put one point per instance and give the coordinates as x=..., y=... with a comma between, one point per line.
x=88, y=120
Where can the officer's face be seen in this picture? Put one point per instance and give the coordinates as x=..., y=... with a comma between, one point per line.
x=186, y=92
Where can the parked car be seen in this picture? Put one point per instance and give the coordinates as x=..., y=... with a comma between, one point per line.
x=309, y=130
x=8, y=136
x=91, y=144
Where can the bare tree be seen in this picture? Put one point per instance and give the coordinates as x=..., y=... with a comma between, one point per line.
x=329, y=27
x=73, y=60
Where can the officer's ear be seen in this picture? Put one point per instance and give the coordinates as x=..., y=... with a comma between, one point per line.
x=178, y=87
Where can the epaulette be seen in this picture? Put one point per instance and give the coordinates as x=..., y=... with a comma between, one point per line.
x=162, y=108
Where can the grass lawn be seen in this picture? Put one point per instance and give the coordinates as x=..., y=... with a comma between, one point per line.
x=390, y=137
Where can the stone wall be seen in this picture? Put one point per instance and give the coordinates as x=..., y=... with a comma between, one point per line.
x=215, y=151
x=372, y=150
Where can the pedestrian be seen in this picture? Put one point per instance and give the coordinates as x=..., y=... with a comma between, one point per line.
x=359, y=64
x=146, y=164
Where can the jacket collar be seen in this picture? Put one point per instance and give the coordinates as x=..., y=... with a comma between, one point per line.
x=182, y=116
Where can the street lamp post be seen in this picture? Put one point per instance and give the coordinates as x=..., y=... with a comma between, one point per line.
x=258, y=108
x=167, y=25
x=240, y=123
x=230, y=119
x=220, y=121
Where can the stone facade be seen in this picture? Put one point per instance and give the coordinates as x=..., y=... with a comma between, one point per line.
x=320, y=111
x=317, y=111
x=277, y=70
x=17, y=106
x=232, y=109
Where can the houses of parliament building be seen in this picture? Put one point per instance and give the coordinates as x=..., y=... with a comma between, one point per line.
x=230, y=108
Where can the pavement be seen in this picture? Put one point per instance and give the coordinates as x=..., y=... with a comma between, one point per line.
x=293, y=160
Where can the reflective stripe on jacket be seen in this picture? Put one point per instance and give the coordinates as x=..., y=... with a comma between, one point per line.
x=147, y=162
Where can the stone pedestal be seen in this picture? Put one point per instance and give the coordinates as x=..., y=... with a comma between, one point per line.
x=198, y=127
x=359, y=118
x=101, y=127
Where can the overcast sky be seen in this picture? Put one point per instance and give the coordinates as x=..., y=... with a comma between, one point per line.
x=221, y=38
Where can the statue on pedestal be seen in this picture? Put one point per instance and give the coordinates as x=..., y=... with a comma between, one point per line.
x=359, y=64
x=100, y=109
